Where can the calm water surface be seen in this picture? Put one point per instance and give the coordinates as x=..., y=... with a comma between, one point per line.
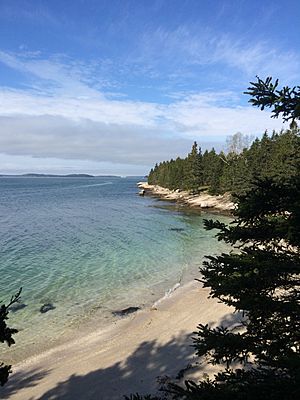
x=89, y=246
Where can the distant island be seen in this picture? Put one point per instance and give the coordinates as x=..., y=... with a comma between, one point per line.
x=33, y=175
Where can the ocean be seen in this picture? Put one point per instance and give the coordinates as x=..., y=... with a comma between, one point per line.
x=90, y=246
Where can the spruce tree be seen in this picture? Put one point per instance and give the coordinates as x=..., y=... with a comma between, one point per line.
x=199, y=167
x=6, y=335
x=260, y=277
x=193, y=170
x=283, y=102
x=262, y=280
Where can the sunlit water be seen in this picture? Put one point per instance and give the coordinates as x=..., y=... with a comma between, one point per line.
x=90, y=246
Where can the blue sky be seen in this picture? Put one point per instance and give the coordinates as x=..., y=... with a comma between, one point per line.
x=114, y=86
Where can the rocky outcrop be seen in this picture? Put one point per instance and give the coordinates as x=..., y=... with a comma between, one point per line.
x=220, y=203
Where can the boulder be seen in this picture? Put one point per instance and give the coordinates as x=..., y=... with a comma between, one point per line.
x=47, y=307
x=17, y=306
x=125, y=311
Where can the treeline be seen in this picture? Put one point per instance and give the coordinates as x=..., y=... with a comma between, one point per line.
x=271, y=156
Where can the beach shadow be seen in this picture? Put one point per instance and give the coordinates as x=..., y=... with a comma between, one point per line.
x=137, y=373
x=144, y=371
x=233, y=321
x=21, y=380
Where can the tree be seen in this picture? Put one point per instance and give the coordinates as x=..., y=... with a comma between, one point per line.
x=212, y=170
x=261, y=278
x=272, y=155
x=285, y=102
x=238, y=142
x=193, y=172
x=6, y=334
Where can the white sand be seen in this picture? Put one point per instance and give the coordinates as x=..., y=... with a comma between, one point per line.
x=124, y=358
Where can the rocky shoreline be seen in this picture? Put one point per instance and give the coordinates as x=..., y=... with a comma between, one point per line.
x=219, y=203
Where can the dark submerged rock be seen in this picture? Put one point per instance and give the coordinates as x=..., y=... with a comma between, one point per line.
x=17, y=306
x=47, y=307
x=125, y=311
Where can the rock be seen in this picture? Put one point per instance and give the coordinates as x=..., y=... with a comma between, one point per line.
x=125, y=311
x=142, y=192
x=17, y=306
x=47, y=307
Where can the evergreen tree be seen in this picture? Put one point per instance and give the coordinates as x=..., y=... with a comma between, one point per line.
x=6, y=335
x=193, y=172
x=199, y=167
x=271, y=156
x=285, y=102
x=261, y=279
x=213, y=166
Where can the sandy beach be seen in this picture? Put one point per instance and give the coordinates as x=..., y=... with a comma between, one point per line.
x=126, y=357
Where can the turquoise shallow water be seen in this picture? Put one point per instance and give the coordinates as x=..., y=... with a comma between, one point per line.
x=90, y=246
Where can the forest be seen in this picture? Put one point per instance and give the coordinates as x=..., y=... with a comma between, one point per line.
x=272, y=156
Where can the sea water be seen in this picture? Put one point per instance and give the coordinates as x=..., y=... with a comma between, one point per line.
x=90, y=246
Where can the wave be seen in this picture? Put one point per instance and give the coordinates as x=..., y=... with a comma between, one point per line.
x=167, y=294
x=94, y=184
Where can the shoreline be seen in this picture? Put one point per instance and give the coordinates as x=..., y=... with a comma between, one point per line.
x=221, y=204
x=124, y=357
x=91, y=322
x=97, y=316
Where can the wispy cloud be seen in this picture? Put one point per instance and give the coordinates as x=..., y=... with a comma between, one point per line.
x=24, y=11
x=77, y=121
x=260, y=58
x=190, y=46
x=56, y=74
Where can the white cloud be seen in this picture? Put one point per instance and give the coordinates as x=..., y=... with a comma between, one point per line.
x=57, y=74
x=192, y=46
x=260, y=58
x=27, y=164
x=74, y=107
x=119, y=132
x=76, y=121
x=202, y=116
x=59, y=137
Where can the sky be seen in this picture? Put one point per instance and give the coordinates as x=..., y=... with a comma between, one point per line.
x=112, y=87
